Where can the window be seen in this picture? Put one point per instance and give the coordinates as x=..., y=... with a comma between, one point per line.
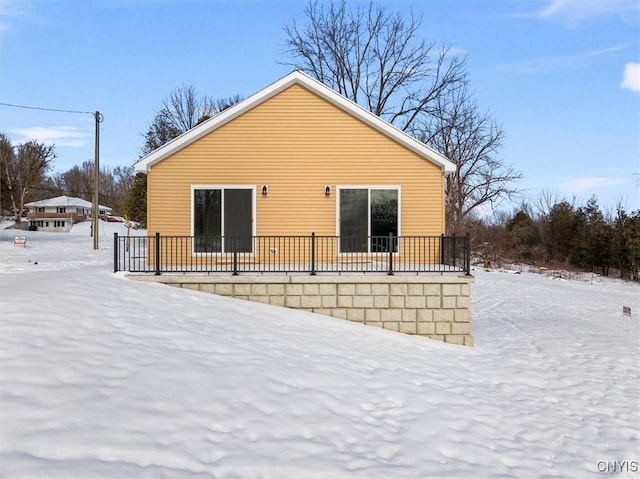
x=61, y=209
x=366, y=217
x=223, y=219
x=40, y=209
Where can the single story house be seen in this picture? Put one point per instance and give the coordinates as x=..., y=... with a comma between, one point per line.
x=292, y=159
x=298, y=159
x=59, y=214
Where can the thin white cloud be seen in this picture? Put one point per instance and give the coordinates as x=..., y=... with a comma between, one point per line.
x=540, y=65
x=56, y=135
x=456, y=52
x=631, y=77
x=607, y=50
x=564, y=62
x=552, y=9
x=12, y=8
x=587, y=184
x=575, y=12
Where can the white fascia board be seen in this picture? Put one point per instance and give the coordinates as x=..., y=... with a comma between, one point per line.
x=143, y=165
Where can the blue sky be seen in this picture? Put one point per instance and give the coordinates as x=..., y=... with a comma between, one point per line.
x=561, y=77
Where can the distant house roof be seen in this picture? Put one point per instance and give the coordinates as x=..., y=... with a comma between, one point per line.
x=316, y=87
x=65, y=201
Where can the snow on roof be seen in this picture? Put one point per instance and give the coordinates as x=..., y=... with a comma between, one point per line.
x=296, y=77
x=66, y=201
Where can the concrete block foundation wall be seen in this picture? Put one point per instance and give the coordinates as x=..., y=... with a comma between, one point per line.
x=434, y=306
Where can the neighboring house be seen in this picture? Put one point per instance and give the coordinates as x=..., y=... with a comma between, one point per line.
x=293, y=159
x=61, y=213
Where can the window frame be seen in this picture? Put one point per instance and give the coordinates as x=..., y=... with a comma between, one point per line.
x=222, y=188
x=339, y=189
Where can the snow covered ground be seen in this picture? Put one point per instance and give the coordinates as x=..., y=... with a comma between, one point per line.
x=102, y=377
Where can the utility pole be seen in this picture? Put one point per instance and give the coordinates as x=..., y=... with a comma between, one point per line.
x=96, y=175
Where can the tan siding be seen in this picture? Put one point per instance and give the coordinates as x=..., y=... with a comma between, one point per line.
x=296, y=143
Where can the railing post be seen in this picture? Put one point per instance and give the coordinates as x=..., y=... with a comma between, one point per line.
x=313, y=254
x=235, y=262
x=442, y=252
x=234, y=251
x=454, y=255
x=115, y=252
x=467, y=246
x=390, y=248
x=157, y=254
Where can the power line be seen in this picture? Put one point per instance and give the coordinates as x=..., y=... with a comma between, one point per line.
x=47, y=109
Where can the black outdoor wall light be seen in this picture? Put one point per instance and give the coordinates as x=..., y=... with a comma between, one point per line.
x=327, y=190
x=265, y=190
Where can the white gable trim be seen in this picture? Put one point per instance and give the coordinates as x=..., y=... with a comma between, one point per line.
x=146, y=162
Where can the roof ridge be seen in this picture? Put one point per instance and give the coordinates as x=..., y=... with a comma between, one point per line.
x=315, y=86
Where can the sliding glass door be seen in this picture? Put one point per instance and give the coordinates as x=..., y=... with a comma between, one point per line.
x=367, y=216
x=223, y=219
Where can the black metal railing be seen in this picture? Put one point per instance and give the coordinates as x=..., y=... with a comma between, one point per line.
x=292, y=254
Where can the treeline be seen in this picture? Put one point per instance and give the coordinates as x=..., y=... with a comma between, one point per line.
x=562, y=234
x=25, y=177
x=114, y=190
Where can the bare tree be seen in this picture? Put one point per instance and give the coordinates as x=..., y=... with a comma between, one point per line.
x=77, y=181
x=115, y=184
x=375, y=59
x=180, y=111
x=471, y=139
x=547, y=199
x=7, y=160
x=25, y=170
